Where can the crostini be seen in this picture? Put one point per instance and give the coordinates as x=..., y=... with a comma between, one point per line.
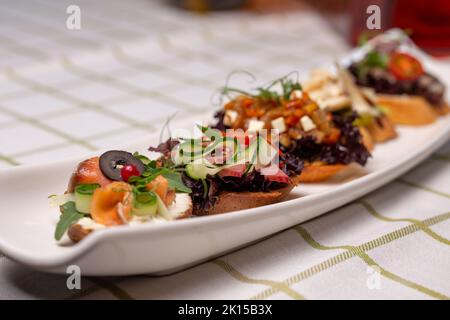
x=213, y=174
x=119, y=188
x=229, y=171
x=325, y=142
x=337, y=93
x=411, y=95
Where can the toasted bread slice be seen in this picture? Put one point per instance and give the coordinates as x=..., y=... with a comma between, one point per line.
x=234, y=201
x=366, y=138
x=382, y=129
x=409, y=110
x=78, y=231
x=443, y=110
x=318, y=172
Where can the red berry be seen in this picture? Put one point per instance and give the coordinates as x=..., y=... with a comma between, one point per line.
x=129, y=171
x=247, y=141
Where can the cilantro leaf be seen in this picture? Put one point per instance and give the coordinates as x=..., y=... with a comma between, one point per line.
x=68, y=217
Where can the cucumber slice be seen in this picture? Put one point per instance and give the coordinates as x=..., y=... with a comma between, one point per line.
x=266, y=152
x=251, y=153
x=199, y=171
x=162, y=209
x=233, y=143
x=145, y=204
x=83, y=197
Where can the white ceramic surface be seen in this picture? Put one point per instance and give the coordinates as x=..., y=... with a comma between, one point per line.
x=27, y=221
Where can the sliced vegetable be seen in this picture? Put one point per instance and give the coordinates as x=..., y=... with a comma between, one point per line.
x=162, y=209
x=266, y=152
x=145, y=204
x=199, y=170
x=68, y=217
x=57, y=200
x=404, y=66
x=83, y=196
x=112, y=162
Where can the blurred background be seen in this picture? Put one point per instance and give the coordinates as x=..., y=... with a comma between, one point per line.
x=35, y=29
x=66, y=91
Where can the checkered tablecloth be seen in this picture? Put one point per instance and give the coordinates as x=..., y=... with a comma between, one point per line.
x=133, y=64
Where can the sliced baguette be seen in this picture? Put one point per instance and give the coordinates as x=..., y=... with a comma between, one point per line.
x=318, y=172
x=234, y=201
x=409, y=110
x=77, y=232
x=367, y=139
x=443, y=110
x=381, y=129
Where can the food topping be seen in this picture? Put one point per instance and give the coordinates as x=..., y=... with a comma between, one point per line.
x=307, y=123
x=83, y=196
x=112, y=162
x=88, y=172
x=404, y=66
x=300, y=120
x=111, y=205
x=279, y=124
x=129, y=171
x=396, y=72
x=255, y=125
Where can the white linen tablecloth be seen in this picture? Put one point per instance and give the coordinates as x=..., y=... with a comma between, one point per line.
x=133, y=64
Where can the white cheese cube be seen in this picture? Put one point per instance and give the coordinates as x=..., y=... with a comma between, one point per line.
x=230, y=117
x=279, y=124
x=307, y=123
x=255, y=125
x=296, y=94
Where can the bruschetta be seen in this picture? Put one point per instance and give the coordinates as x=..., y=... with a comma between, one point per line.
x=411, y=95
x=119, y=188
x=325, y=142
x=230, y=171
x=337, y=93
x=211, y=175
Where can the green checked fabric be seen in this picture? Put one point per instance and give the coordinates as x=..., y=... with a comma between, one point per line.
x=64, y=93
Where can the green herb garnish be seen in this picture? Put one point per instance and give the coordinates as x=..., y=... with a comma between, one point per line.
x=267, y=93
x=373, y=59
x=363, y=120
x=68, y=217
x=86, y=189
x=173, y=177
x=146, y=161
x=205, y=188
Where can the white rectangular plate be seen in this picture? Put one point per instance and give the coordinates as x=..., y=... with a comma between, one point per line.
x=27, y=221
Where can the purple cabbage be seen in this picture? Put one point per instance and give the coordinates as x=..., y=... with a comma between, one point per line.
x=348, y=149
x=382, y=81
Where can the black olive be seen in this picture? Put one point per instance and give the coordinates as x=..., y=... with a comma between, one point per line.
x=112, y=162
